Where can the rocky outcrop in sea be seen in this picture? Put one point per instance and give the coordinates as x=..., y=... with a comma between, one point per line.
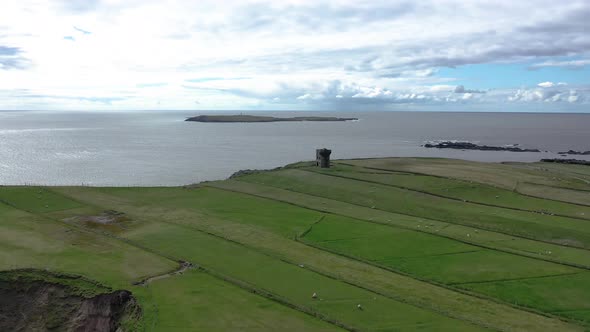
x=473, y=146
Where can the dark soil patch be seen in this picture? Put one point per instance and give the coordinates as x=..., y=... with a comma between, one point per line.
x=105, y=218
x=41, y=304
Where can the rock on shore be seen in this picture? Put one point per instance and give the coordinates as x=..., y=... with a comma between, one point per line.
x=567, y=161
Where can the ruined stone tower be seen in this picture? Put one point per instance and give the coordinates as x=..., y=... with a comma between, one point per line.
x=322, y=157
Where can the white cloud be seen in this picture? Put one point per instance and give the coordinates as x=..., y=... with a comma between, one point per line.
x=442, y=88
x=257, y=52
x=571, y=64
x=550, y=95
x=546, y=84
x=372, y=92
x=573, y=98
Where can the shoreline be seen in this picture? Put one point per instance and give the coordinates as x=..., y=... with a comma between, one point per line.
x=237, y=171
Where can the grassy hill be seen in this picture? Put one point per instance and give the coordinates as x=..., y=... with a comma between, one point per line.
x=419, y=243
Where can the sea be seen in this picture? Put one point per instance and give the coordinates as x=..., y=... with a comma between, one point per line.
x=159, y=148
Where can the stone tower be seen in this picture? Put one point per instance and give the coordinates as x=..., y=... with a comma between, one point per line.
x=322, y=157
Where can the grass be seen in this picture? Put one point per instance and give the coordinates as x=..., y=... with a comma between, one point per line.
x=337, y=300
x=378, y=242
x=35, y=199
x=563, y=295
x=272, y=242
x=509, y=176
x=418, y=259
x=184, y=301
x=526, y=224
x=442, y=259
x=280, y=218
x=561, y=194
x=488, y=239
x=28, y=241
x=458, y=189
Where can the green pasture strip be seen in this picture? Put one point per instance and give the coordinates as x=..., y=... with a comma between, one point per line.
x=395, y=286
x=28, y=241
x=197, y=301
x=582, y=172
x=35, y=199
x=495, y=174
x=378, y=242
x=555, y=193
x=525, y=224
x=488, y=239
x=133, y=233
x=458, y=189
x=336, y=299
x=475, y=266
x=424, y=255
x=280, y=218
x=505, y=175
x=579, y=315
x=567, y=296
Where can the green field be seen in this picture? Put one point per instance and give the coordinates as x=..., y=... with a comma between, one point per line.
x=418, y=243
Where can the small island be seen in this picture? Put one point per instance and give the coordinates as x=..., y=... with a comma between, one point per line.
x=258, y=118
x=567, y=161
x=472, y=146
x=572, y=152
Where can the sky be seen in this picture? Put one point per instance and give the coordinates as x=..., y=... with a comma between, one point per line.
x=443, y=55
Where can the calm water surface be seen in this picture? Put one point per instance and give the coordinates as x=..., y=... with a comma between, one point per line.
x=159, y=148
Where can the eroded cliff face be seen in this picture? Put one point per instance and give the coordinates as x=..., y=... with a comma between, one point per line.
x=43, y=306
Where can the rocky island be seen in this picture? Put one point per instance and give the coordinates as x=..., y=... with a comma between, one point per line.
x=567, y=161
x=258, y=118
x=572, y=152
x=472, y=146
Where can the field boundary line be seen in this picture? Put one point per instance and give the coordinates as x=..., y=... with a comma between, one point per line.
x=556, y=187
x=513, y=279
x=426, y=256
x=311, y=227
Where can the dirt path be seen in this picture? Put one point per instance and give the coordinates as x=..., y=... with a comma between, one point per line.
x=181, y=269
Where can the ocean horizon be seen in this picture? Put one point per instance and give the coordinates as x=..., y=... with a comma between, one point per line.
x=158, y=148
